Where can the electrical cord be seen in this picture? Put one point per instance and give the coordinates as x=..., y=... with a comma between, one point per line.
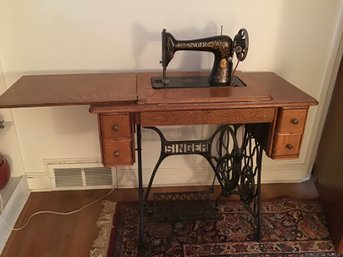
x=60, y=213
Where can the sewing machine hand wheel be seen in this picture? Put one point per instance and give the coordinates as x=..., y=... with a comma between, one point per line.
x=241, y=44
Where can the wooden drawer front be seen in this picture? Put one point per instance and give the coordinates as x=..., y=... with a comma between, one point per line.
x=115, y=126
x=291, y=121
x=118, y=152
x=287, y=146
x=230, y=116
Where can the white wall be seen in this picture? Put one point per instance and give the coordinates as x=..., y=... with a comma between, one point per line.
x=294, y=38
x=9, y=145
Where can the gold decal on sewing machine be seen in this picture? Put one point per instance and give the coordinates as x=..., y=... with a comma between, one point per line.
x=211, y=44
x=223, y=63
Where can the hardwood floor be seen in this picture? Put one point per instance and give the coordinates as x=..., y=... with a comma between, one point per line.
x=50, y=235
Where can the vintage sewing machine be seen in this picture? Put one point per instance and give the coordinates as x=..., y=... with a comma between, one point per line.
x=223, y=48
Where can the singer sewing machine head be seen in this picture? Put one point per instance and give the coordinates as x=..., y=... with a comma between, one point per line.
x=223, y=48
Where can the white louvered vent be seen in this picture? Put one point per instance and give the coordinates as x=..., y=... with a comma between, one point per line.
x=98, y=176
x=82, y=178
x=68, y=177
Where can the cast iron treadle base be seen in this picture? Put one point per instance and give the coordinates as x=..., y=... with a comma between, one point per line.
x=234, y=153
x=183, y=206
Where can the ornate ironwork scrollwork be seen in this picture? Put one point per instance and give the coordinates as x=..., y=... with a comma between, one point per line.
x=235, y=160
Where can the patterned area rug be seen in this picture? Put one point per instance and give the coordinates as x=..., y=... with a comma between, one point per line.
x=289, y=228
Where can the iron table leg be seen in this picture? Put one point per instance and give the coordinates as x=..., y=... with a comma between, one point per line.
x=140, y=189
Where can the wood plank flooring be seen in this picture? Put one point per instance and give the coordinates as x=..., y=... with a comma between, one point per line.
x=50, y=235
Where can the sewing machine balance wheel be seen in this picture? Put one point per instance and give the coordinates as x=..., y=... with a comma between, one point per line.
x=241, y=44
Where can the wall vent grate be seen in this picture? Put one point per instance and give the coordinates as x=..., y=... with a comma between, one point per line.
x=93, y=177
x=82, y=178
x=68, y=177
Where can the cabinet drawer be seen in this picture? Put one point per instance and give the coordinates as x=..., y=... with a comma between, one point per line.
x=287, y=146
x=120, y=152
x=115, y=126
x=291, y=121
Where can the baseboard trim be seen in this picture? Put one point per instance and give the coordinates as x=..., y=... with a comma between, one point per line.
x=126, y=176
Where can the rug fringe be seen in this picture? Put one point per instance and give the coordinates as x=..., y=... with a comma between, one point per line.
x=105, y=224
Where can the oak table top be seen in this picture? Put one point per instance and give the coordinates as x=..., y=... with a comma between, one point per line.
x=132, y=91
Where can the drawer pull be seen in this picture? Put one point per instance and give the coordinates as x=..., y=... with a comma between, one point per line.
x=116, y=153
x=289, y=146
x=115, y=127
x=295, y=121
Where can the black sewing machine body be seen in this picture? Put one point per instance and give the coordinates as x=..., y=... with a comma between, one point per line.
x=223, y=48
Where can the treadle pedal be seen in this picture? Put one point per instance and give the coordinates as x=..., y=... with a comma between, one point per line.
x=183, y=206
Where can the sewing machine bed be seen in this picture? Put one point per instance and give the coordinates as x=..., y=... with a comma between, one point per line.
x=190, y=82
x=193, y=87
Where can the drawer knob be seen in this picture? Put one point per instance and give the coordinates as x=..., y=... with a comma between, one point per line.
x=116, y=153
x=289, y=146
x=115, y=127
x=295, y=121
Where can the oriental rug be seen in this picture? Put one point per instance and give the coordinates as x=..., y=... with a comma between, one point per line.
x=290, y=227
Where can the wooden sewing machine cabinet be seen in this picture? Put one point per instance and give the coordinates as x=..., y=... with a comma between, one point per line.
x=125, y=102
x=266, y=99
